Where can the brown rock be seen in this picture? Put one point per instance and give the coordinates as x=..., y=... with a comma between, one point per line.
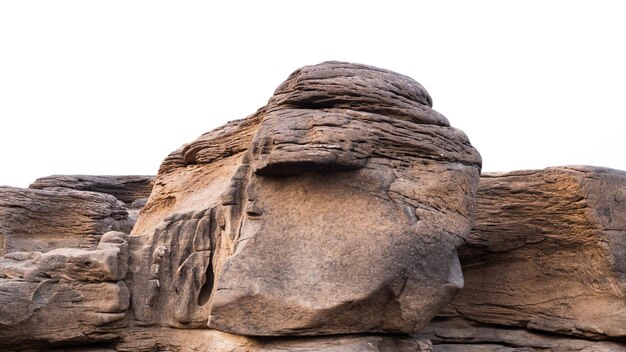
x=456, y=335
x=341, y=85
x=335, y=209
x=41, y=220
x=125, y=188
x=64, y=296
x=548, y=252
x=151, y=339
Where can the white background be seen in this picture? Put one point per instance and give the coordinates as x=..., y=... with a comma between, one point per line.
x=111, y=87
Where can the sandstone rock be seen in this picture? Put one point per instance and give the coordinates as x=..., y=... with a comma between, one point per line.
x=329, y=220
x=356, y=87
x=183, y=340
x=125, y=188
x=335, y=209
x=548, y=252
x=462, y=335
x=132, y=190
x=64, y=296
x=41, y=220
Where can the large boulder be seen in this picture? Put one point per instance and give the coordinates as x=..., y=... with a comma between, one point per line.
x=64, y=296
x=42, y=220
x=337, y=208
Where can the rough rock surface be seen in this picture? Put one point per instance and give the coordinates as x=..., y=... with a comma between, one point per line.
x=132, y=190
x=41, y=220
x=329, y=220
x=164, y=339
x=66, y=295
x=456, y=335
x=547, y=253
x=335, y=209
x=128, y=189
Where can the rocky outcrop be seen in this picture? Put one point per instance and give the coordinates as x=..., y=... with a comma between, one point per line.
x=128, y=189
x=164, y=339
x=338, y=217
x=42, y=220
x=547, y=253
x=335, y=209
x=66, y=295
x=132, y=190
x=461, y=335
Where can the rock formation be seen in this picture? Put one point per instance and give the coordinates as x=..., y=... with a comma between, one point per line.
x=329, y=220
x=133, y=191
x=547, y=254
x=42, y=220
x=128, y=189
x=66, y=295
x=249, y=231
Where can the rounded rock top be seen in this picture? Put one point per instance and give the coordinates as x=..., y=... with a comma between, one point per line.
x=343, y=85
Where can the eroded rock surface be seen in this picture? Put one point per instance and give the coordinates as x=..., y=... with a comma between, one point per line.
x=132, y=190
x=66, y=295
x=329, y=220
x=335, y=209
x=128, y=189
x=164, y=339
x=459, y=335
x=42, y=220
x=547, y=253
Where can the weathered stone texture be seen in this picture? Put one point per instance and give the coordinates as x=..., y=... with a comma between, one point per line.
x=335, y=209
x=66, y=295
x=459, y=335
x=547, y=253
x=329, y=220
x=188, y=340
x=41, y=220
x=125, y=188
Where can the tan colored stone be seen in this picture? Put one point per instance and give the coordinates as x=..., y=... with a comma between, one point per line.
x=64, y=296
x=42, y=220
x=335, y=209
x=188, y=340
x=548, y=252
x=456, y=335
x=128, y=189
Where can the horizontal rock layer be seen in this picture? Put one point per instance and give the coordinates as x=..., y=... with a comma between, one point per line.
x=64, y=296
x=125, y=188
x=458, y=335
x=151, y=339
x=547, y=253
x=356, y=87
x=41, y=220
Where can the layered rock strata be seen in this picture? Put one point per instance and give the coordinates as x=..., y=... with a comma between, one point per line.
x=66, y=295
x=334, y=212
x=132, y=190
x=42, y=220
x=329, y=220
x=128, y=189
x=547, y=253
x=335, y=209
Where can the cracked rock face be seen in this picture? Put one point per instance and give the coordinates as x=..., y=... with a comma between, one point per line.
x=66, y=295
x=337, y=208
x=547, y=254
x=42, y=220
